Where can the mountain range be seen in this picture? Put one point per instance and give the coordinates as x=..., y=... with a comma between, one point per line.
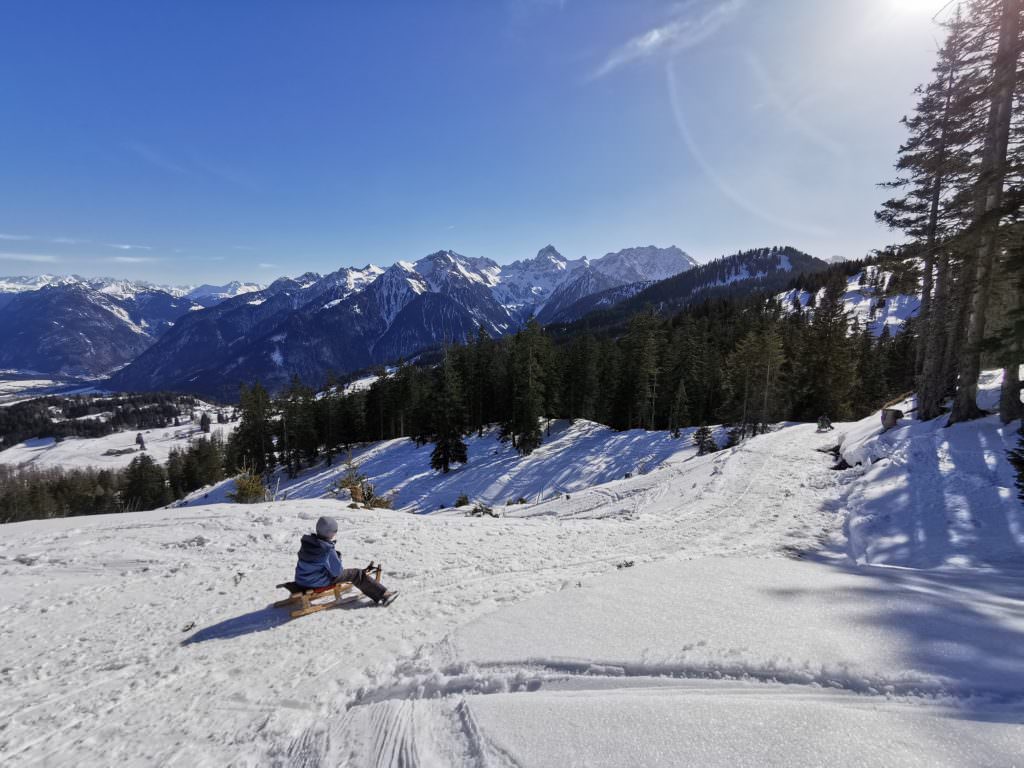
x=210, y=339
x=355, y=318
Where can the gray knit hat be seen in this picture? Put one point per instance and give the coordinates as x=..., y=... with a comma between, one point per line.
x=326, y=527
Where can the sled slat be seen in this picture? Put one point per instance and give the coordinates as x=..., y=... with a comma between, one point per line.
x=308, y=600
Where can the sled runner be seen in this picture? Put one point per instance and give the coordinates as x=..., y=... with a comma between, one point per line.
x=304, y=597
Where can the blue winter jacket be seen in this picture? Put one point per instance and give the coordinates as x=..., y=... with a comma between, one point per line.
x=319, y=563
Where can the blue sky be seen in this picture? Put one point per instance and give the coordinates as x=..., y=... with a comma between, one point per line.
x=198, y=140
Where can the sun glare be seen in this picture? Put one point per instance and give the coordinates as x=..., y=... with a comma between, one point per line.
x=917, y=6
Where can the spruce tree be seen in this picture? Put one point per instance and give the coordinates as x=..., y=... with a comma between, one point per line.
x=526, y=376
x=704, y=440
x=253, y=440
x=1003, y=18
x=449, y=419
x=932, y=165
x=145, y=485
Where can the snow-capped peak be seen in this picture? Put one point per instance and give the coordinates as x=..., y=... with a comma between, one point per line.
x=633, y=265
x=226, y=291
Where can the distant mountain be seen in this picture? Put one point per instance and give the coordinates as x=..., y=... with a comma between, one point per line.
x=208, y=295
x=760, y=269
x=70, y=328
x=355, y=318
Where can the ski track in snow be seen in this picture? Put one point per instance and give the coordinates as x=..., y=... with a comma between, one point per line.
x=112, y=678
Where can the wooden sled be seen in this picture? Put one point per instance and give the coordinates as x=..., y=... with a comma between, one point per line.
x=305, y=597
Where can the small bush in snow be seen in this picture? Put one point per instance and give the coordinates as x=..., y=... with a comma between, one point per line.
x=249, y=489
x=462, y=501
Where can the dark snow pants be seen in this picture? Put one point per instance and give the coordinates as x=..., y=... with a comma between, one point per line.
x=365, y=583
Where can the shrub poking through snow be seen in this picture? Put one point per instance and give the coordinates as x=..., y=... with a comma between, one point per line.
x=360, y=488
x=481, y=510
x=462, y=501
x=249, y=489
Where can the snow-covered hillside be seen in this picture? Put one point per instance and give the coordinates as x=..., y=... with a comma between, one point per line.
x=713, y=611
x=574, y=456
x=866, y=301
x=113, y=451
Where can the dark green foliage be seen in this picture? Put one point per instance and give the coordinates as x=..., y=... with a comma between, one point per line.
x=449, y=422
x=249, y=489
x=31, y=494
x=199, y=465
x=144, y=484
x=59, y=417
x=704, y=440
x=252, y=443
x=527, y=385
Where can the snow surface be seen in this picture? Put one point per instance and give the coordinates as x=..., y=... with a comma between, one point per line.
x=712, y=611
x=16, y=386
x=76, y=452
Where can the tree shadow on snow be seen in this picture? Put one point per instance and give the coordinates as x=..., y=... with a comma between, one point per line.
x=961, y=632
x=262, y=620
x=944, y=497
x=937, y=533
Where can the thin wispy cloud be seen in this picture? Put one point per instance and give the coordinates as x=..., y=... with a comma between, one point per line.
x=35, y=258
x=268, y=266
x=156, y=158
x=132, y=259
x=189, y=163
x=692, y=24
x=5, y=236
x=129, y=247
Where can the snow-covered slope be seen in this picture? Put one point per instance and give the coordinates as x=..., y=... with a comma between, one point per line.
x=106, y=452
x=711, y=611
x=866, y=301
x=576, y=455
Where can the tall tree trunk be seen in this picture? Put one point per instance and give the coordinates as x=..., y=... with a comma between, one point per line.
x=988, y=203
x=931, y=349
x=934, y=378
x=1010, y=406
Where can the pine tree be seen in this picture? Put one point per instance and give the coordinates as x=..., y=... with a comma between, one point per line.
x=526, y=376
x=145, y=485
x=871, y=387
x=680, y=409
x=705, y=440
x=253, y=441
x=204, y=422
x=1004, y=19
x=932, y=165
x=831, y=364
x=449, y=419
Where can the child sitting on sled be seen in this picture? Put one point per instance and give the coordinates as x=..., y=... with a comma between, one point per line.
x=320, y=565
